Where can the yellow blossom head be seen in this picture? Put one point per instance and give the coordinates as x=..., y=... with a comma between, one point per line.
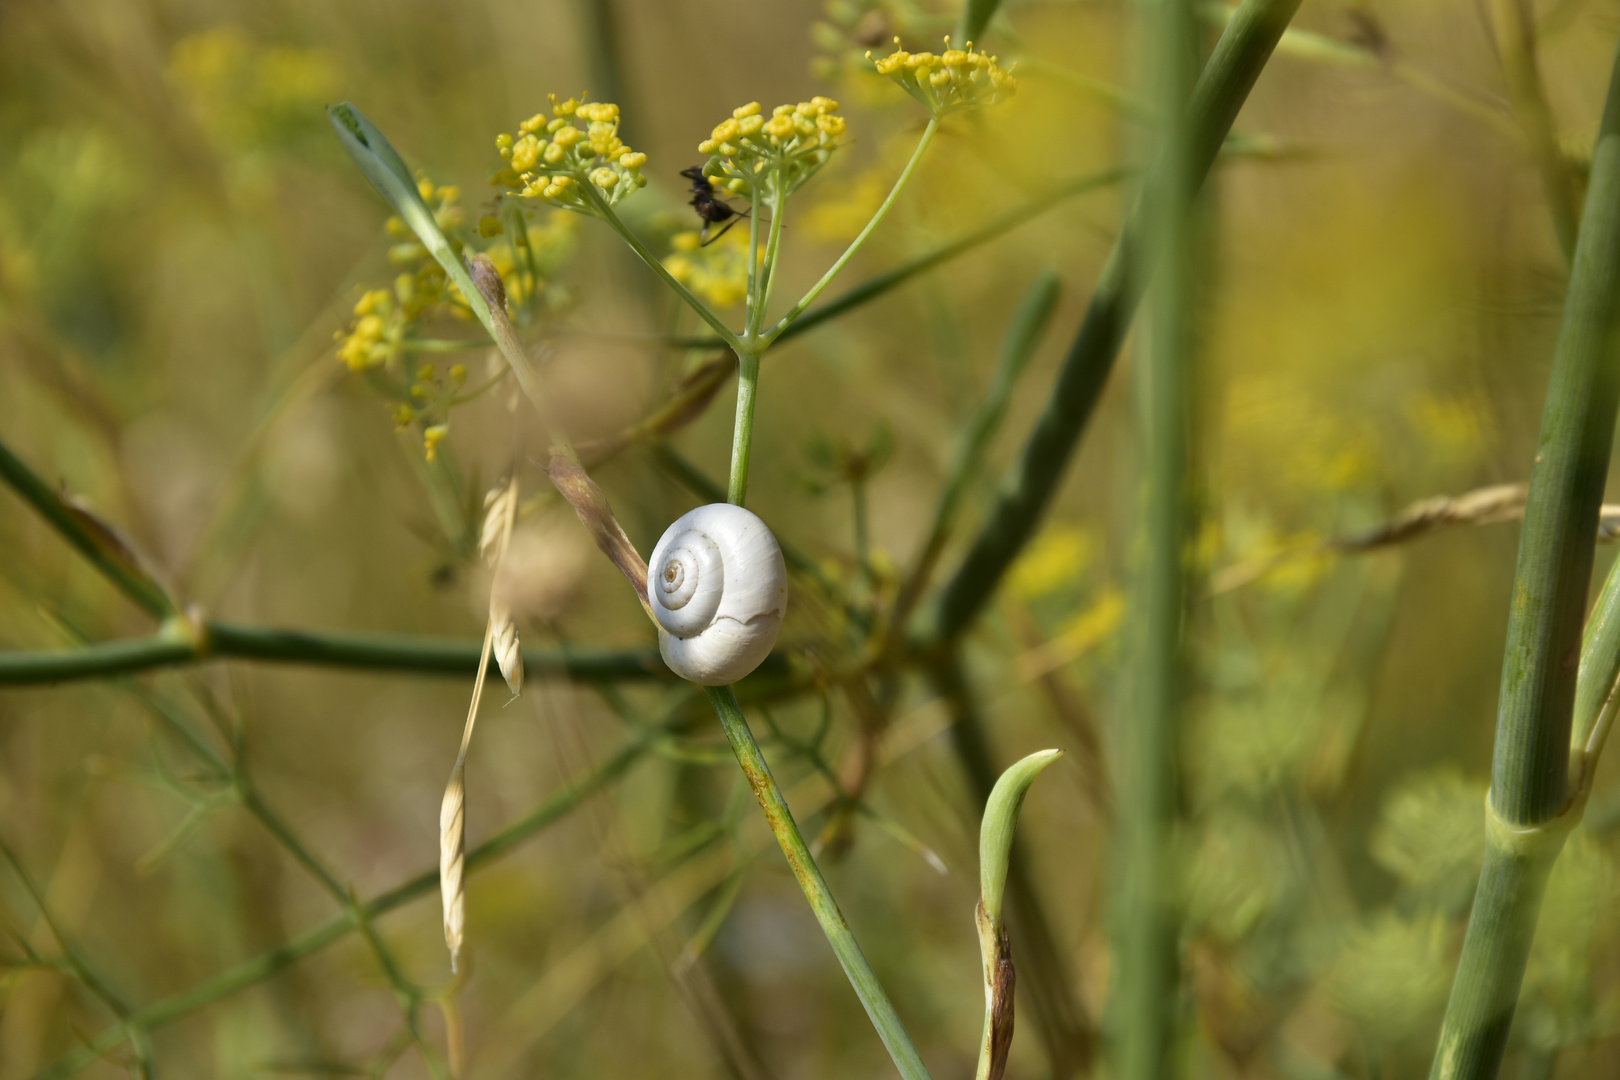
x=949, y=82
x=777, y=154
x=573, y=158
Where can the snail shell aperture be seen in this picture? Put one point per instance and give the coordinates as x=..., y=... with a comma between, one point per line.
x=718, y=588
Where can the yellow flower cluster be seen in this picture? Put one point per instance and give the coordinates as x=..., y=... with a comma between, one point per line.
x=374, y=337
x=950, y=81
x=779, y=153
x=555, y=157
x=717, y=273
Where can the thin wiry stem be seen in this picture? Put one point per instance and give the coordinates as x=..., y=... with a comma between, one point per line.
x=727, y=337
x=781, y=325
x=251, y=972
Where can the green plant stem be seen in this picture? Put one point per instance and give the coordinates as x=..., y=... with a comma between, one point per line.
x=715, y=323
x=81, y=531
x=1239, y=56
x=755, y=299
x=1531, y=805
x=251, y=972
x=781, y=325
x=822, y=904
x=772, y=247
x=742, y=431
x=1147, y=921
x=373, y=652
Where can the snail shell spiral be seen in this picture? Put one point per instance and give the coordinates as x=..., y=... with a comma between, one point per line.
x=718, y=588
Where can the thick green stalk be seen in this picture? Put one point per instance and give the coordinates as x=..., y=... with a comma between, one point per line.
x=252, y=972
x=1146, y=917
x=374, y=652
x=742, y=432
x=1532, y=804
x=822, y=904
x=1230, y=74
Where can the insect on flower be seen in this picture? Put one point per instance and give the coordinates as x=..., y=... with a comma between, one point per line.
x=709, y=206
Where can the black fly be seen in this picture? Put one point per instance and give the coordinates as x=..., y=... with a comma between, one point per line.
x=706, y=201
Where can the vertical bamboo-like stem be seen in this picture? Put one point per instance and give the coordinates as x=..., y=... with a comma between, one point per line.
x=822, y=904
x=1530, y=807
x=1146, y=917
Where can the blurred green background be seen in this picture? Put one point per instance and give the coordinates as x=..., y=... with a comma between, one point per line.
x=181, y=237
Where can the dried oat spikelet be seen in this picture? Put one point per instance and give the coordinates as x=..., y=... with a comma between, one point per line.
x=500, y=514
x=500, y=507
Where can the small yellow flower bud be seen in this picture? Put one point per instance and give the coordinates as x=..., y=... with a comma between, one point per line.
x=553, y=153
x=633, y=160
x=708, y=146
x=503, y=142
x=751, y=124
x=742, y=112
x=726, y=131
x=566, y=136
x=424, y=188
x=604, y=178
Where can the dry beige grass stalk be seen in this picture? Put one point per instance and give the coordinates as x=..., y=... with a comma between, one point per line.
x=500, y=513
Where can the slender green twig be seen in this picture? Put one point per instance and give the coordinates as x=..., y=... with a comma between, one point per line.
x=822, y=904
x=1532, y=805
x=1148, y=927
x=781, y=325
x=94, y=540
x=727, y=337
x=74, y=963
x=1228, y=77
x=251, y=972
x=422, y=655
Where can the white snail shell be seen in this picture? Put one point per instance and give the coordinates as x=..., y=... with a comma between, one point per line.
x=718, y=588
